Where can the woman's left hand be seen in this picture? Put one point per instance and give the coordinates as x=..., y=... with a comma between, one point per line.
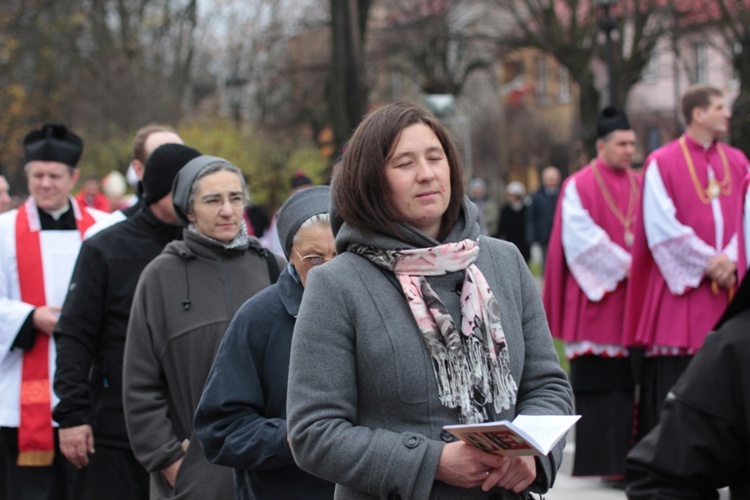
x=515, y=474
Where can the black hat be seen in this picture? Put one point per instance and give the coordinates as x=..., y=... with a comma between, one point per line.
x=611, y=119
x=53, y=143
x=161, y=169
x=300, y=179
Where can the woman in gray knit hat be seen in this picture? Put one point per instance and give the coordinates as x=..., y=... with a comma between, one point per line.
x=241, y=418
x=183, y=304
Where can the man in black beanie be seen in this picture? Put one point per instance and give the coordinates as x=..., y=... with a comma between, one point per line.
x=91, y=332
x=39, y=243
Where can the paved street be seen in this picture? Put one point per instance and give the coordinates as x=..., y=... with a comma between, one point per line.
x=578, y=488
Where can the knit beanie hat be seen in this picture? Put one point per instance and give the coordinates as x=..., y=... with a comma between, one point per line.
x=53, y=143
x=162, y=167
x=183, y=184
x=297, y=209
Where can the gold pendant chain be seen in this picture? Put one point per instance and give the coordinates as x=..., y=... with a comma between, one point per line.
x=715, y=188
x=627, y=219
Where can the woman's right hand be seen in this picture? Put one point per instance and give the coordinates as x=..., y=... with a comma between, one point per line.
x=465, y=466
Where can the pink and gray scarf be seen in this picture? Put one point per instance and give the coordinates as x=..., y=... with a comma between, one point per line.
x=471, y=366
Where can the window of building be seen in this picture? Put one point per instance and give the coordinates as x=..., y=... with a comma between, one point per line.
x=563, y=91
x=651, y=72
x=653, y=138
x=701, y=63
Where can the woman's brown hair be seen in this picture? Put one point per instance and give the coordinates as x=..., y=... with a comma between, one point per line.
x=359, y=190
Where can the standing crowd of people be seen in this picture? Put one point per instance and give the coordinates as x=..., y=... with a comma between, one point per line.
x=163, y=351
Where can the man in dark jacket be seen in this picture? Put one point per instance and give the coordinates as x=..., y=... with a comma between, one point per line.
x=702, y=440
x=541, y=213
x=90, y=337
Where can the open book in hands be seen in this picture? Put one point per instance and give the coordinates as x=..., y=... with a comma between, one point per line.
x=526, y=435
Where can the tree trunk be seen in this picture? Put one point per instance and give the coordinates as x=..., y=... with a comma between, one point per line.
x=347, y=90
x=740, y=123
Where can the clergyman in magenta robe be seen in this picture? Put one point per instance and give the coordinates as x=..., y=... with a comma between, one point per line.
x=686, y=246
x=584, y=294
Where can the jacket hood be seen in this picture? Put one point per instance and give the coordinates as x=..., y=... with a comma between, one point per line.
x=466, y=226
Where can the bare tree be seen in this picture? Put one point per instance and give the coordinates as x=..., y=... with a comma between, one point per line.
x=568, y=30
x=438, y=43
x=36, y=54
x=134, y=61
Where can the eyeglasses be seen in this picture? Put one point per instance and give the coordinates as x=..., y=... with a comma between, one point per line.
x=313, y=260
x=217, y=202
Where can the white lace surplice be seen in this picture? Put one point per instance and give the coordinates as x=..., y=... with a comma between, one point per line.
x=681, y=256
x=595, y=261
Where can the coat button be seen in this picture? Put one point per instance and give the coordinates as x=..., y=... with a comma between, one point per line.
x=447, y=436
x=394, y=496
x=411, y=442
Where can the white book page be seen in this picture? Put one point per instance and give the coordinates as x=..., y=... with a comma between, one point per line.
x=545, y=429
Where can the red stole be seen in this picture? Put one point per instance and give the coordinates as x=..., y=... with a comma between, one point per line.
x=35, y=437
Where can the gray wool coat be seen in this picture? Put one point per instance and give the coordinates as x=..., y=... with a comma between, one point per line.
x=363, y=408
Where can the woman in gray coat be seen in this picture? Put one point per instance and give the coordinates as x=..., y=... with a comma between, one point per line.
x=419, y=323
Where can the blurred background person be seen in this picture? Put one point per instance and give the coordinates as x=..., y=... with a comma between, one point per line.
x=90, y=336
x=485, y=205
x=114, y=187
x=541, y=212
x=90, y=194
x=241, y=418
x=183, y=303
x=512, y=226
x=418, y=322
x=6, y=203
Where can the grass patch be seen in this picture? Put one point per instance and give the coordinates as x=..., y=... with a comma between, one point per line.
x=536, y=268
x=560, y=348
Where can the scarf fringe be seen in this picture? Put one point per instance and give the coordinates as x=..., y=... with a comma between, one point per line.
x=459, y=378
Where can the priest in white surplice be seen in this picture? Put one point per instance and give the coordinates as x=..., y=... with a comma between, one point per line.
x=686, y=252
x=39, y=245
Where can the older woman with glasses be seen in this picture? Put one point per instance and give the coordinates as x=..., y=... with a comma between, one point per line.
x=182, y=306
x=241, y=418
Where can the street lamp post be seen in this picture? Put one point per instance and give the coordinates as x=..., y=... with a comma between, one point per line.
x=607, y=24
x=444, y=107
